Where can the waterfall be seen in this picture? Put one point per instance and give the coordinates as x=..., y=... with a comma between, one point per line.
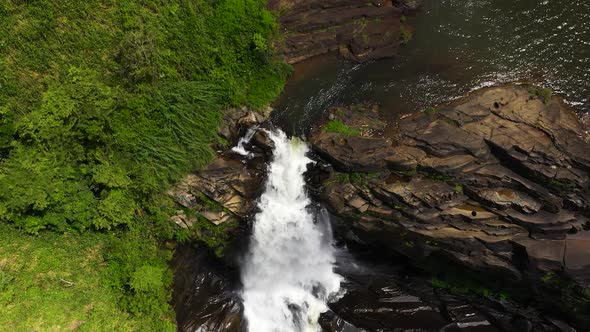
x=288, y=272
x=240, y=148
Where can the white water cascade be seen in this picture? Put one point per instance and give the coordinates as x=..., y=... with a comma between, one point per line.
x=240, y=148
x=288, y=273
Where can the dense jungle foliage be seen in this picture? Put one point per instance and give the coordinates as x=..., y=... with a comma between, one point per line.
x=103, y=105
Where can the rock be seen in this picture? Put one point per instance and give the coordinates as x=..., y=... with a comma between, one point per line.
x=586, y=121
x=225, y=190
x=359, y=30
x=412, y=4
x=182, y=220
x=236, y=121
x=367, y=151
x=492, y=182
x=465, y=317
x=330, y=322
x=544, y=255
x=577, y=257
x=381, y=305
x=205, y=297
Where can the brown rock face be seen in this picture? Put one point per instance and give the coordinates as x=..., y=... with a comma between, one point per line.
x=497, y=183
x=227, y=188
x=359, y=30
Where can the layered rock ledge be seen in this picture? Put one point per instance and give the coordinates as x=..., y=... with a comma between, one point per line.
x=359, y=30
x=493, y=186
x=496, y=184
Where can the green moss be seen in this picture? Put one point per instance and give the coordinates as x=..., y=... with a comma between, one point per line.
x=335, y=126
x=215, y=237
x=467, y=287
x=458, y=188
x=405, y=34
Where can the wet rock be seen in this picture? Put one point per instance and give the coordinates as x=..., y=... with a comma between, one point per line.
x=236, y=121
x=226, y=188
x=493, y=182
x=205, y=296
x=359, y=30
x=330, y=322
x=577, y=257
x=466, y=317
x=382, y=306
x=586, y=121
x=412, y=4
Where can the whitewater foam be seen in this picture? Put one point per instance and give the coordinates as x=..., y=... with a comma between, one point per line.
x=288, y=274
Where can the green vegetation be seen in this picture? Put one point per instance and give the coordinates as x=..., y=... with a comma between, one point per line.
x=430, y=111
x=571, y=299
x=94, y=282
x=405, y=34
x=467, y=288
x=103, y=105
x=335, y=126
x=544, y=94
x=214, y=237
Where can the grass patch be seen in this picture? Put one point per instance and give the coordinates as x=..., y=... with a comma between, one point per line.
x=335, y=126
x=90, y=282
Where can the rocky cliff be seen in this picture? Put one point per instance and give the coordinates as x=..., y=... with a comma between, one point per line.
x=359, y=30
x=493, y=187
x=496, y=183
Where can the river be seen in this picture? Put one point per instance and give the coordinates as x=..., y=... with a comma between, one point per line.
x=457, y=46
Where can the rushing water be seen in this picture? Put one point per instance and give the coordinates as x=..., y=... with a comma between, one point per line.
x=457, y=46
x=288, y=274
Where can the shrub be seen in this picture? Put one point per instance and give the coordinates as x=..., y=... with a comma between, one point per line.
x=103, y=107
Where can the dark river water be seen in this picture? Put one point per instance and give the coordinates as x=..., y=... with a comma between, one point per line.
x=457, y=46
